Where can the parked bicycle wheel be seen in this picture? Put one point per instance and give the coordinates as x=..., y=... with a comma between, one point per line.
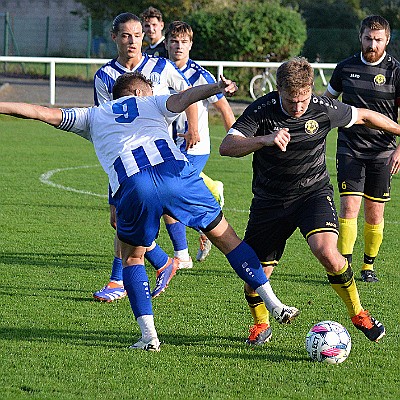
x=259, y=86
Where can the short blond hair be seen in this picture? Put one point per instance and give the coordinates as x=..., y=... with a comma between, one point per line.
x=295, y=75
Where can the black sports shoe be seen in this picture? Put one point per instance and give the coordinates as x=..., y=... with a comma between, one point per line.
x=371, y=327
x=368, y=275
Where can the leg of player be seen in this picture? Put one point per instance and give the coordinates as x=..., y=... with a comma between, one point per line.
x=114, y=289
x=349, y=209
x=177, y=233
x=165, y=266
x=137, y=286
x=217, y=190
x=340, y=276
x=260, y=332
x=246, y=264
x=373, y=237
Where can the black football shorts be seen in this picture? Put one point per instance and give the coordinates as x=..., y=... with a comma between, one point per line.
x=269, y=228
x=362, y=177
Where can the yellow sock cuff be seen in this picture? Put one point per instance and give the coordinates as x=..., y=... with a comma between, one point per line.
x=367, y=267
x=341, y=271
x=344, y=285
x=257, y=307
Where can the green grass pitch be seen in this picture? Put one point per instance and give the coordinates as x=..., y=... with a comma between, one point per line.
x=56, y=248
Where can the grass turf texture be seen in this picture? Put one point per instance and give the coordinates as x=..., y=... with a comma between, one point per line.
x=57, y=343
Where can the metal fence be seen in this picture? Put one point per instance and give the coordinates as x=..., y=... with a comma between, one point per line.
x=69, y=35
x=220, y=65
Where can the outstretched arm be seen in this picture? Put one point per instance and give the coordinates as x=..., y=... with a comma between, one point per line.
x=239, y=146
x=180, y=101
x=51, y=116
x=375, y=120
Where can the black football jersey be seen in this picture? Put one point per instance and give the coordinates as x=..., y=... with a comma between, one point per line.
x=158, y=51
x=376, y=87
x=301, y=169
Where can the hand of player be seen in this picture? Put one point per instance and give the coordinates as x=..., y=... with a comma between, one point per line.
x=282, y=138
x=191, y=138
x=229, y=87
x=394, y=161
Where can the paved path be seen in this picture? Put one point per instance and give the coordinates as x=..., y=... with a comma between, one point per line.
x=37, y=91
x=68, y=93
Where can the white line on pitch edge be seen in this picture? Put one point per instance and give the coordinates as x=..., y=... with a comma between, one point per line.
x=45, y=178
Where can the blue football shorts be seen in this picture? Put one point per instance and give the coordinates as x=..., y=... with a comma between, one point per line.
x=198, y=161
x=173, y=188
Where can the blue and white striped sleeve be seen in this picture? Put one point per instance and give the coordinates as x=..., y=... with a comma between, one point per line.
x=76, y=120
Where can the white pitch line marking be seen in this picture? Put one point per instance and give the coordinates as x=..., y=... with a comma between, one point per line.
x=46, y=179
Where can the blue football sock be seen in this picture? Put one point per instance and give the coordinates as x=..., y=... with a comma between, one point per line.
x=246, y=264
x=116, y=271
x=137, y=286
x=157, y=257
x=177, y=233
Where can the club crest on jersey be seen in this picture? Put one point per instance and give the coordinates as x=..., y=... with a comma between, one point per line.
x=155, y=77
x=311, y=127
x=379, y=79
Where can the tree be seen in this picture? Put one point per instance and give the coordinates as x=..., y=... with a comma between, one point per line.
x=389, y=9
x=171, y=9
x=248, y=31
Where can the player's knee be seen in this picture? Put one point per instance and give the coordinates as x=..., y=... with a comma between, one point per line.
x=327, y=256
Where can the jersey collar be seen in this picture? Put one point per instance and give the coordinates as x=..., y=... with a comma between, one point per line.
x=374, y=63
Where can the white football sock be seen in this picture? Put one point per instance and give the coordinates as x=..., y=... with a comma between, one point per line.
x=146, y=324
x=267, y=294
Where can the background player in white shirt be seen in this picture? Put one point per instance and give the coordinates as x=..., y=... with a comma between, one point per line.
x=179, y=40
x=127, y=34
x=148, y=175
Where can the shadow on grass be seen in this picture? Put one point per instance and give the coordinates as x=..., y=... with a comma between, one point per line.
x=65, y=260
x=99, y=338
x=62, y=206
x=203, y=345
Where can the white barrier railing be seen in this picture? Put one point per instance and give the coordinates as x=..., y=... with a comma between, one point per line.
x=52, y=61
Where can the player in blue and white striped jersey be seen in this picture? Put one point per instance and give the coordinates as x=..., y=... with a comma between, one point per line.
x=161, y=71
x=179, y=40
x=128, y=36
x=148, y=176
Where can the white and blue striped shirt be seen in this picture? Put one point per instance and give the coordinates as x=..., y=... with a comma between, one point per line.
x=162, y=72
x=129, y=134
x=196, y=75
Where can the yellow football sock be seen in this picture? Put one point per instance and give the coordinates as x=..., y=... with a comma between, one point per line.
x=257, y=308
x=373, y=236
x=344, y=285
x=347, y=236
x=211, y=184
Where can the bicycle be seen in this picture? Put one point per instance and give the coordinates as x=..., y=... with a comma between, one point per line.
x=263, y=83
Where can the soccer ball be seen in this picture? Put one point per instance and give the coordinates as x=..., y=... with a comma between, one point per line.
x=328, y=342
